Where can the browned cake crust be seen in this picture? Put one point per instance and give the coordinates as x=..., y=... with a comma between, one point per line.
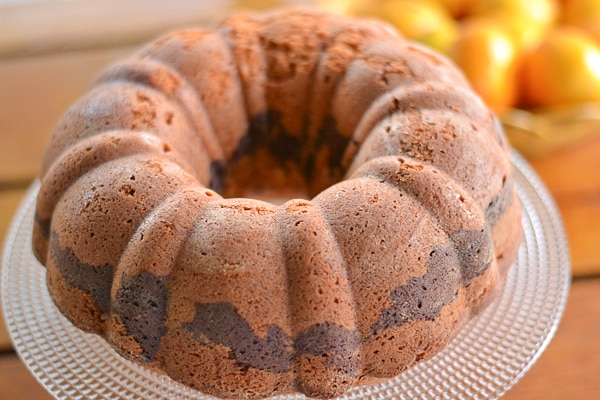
x=413, y=219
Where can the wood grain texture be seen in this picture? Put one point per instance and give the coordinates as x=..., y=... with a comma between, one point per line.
x=34, y=93
x=30, y=28
x=9, y=201
x=16, y=382
x=573, y=177
x=5, y=343
x=570, y=366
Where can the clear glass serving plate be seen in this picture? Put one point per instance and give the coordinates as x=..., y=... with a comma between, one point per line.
x=485, y=360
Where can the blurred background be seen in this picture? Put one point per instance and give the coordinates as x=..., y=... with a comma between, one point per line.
x=536, y=63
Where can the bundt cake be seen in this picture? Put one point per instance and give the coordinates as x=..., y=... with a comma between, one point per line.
x=165, y=222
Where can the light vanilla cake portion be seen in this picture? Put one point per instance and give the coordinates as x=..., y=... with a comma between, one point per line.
x=399, y=220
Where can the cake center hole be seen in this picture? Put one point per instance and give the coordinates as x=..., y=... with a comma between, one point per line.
x=274, y=164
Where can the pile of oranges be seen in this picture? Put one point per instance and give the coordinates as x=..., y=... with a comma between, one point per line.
x=525, y=54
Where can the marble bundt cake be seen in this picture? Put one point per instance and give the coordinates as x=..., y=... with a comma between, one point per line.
x=150, y=221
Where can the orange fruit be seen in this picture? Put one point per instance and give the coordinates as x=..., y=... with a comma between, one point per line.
x=423, y=21
x=526, y=20
x=458, y=8
x=564, y=69
x=584, y=14
x=539, y=12
x=488, y=58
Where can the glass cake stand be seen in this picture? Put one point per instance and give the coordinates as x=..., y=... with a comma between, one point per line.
x=485, y=360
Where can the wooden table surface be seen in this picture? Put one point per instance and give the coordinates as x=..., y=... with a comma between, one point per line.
x=37, y=86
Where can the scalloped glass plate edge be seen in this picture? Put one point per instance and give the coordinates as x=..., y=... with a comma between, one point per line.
x=484, y=361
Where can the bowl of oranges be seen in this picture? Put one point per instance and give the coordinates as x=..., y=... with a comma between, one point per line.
x=536, y=63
